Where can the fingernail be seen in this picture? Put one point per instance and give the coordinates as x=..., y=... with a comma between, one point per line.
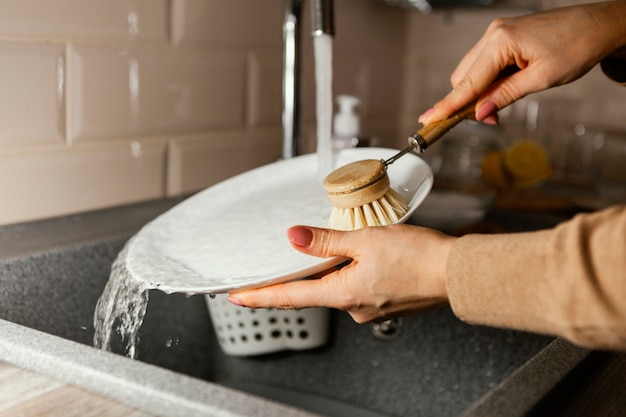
x=235, y=301
x=300, y=236
x=425, y=116
x=491, y=120
x=487, y=109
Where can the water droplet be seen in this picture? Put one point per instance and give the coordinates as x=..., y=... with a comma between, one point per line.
x=171, y=342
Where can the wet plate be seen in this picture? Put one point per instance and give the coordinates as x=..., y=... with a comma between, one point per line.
x=232, y=235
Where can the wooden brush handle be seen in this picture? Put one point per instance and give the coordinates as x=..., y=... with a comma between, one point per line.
x=428, y=135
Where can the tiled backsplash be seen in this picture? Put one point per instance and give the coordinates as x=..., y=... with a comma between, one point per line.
x=111, y=102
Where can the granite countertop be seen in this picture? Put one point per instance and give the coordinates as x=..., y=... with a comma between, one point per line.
x=150, y=390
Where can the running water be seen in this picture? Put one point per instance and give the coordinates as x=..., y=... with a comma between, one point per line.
x=121, y=310
x=323, y=54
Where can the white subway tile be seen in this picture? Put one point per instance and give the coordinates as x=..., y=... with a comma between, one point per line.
x=148, y=91
x=32, y=101
x=198, y=161
x=51, y=181
x=264, y=89
x=142, y=20
x=232, y=22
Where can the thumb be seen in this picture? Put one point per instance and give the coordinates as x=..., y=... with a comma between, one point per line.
x=322, y=243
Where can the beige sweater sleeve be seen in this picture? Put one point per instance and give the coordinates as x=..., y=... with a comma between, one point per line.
x=569, y=281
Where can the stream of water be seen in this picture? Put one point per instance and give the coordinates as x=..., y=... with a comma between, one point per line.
x=120, y=310
x=323, y=54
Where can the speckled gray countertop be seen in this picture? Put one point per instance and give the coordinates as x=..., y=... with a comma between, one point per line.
x=436, y=366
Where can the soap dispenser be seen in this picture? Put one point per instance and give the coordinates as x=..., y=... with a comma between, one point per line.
x=346, y=124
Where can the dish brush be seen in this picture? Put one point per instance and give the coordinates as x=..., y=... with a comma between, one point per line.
x=360, y=192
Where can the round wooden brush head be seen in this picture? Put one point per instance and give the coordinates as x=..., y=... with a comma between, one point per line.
x=357, y=184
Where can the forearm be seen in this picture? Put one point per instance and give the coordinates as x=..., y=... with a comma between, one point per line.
x=569, y=281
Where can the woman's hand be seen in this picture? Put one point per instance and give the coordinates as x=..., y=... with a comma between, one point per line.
x=395, y=270
x=549, y=48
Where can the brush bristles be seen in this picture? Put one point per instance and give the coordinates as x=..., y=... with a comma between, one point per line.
x=386, y=210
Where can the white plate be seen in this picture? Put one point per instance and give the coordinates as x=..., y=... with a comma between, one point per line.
x=232, y=235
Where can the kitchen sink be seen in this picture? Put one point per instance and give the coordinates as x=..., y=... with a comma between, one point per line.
x=432, y=365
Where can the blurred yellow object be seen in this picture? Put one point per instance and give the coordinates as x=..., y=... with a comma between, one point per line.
x=493, y=171
x=523, y=164
x=527, y=162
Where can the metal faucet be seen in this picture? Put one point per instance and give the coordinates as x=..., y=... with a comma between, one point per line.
x=323, y=23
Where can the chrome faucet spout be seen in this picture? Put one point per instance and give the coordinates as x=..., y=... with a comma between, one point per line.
x=323, y=17
x=291, y=78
